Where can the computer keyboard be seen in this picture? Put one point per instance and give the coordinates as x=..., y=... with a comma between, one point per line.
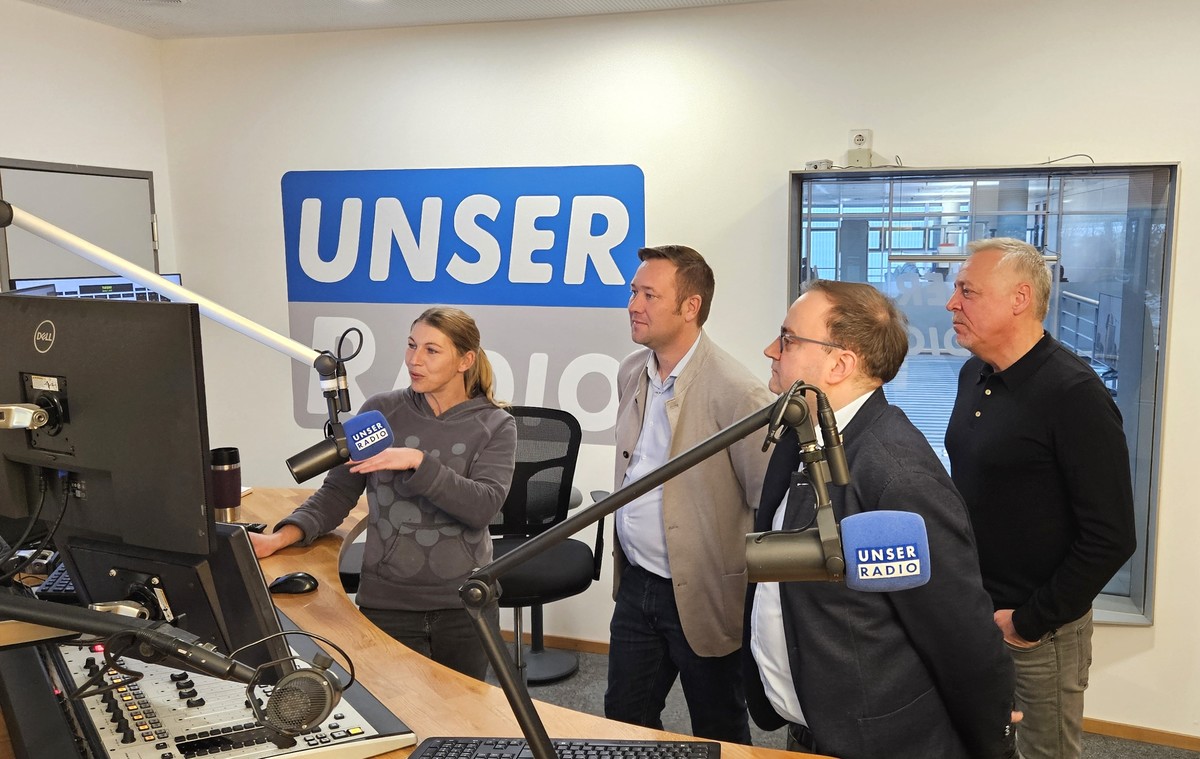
x=596, y=748
x=58, y=586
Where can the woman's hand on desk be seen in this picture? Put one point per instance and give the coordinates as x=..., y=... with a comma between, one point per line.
x=393, y=458
x=265, y=545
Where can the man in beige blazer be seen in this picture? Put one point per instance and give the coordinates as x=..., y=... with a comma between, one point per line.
x=680, y=557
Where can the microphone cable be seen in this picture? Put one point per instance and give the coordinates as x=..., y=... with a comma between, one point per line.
x=115, y=646
x=343, y=388
x=776, y=426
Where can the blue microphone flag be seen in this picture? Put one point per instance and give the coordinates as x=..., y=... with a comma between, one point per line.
x=885, y=551
x=367, y=434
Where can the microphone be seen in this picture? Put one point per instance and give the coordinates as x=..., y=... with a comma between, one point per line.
x=368, y=434
x=358, y=438
x=322, y=457
x=885, y=551
x=300, y=700
x=189, y=653
x=343, y=387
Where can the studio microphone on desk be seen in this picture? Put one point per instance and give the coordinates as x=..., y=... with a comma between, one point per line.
x=185, y=649
x=358, y=438
x=300, y=700
x=884, y=551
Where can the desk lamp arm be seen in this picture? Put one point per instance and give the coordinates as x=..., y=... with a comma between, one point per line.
x=323, y=362
x=331, y=369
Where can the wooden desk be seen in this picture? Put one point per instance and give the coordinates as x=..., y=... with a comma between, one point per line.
x=430, y=698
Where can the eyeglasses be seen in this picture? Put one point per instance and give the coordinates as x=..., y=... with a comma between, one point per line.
x=786, y=337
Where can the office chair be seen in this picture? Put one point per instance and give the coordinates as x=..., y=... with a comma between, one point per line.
x=540, y=497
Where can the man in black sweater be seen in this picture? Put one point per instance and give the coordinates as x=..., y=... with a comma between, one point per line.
x=1038, y=452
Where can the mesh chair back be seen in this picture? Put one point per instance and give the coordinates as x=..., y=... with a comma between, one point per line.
x=547, y=449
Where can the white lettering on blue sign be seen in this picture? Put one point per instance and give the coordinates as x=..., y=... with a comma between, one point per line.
x=564, y=236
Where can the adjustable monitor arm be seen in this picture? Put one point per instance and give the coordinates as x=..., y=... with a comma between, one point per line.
x=325, y=363
x=480, y=592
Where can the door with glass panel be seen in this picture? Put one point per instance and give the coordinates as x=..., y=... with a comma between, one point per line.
x=1104, y=230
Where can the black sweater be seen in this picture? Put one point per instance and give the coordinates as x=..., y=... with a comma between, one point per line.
x=1039, y=454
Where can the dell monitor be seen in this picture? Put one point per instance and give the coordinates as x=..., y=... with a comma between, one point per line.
x=121, y=463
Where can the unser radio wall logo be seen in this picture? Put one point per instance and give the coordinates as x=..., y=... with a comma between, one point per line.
x=541, y=257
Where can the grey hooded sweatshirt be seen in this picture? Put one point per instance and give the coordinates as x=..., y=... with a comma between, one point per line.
x=428, y=527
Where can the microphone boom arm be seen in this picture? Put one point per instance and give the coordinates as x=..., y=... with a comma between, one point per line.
x=164, y=639
x=479, y=591
x=817, y=472
x=10, y=214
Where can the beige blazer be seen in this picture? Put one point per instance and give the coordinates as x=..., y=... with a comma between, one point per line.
x=708, y=509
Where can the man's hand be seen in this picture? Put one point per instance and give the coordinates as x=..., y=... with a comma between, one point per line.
x=1003, y=620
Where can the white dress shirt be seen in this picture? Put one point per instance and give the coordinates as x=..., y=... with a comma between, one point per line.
x=640, y=522
x=768, y=641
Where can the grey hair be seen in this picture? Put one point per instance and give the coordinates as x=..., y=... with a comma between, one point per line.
x=1026, y=262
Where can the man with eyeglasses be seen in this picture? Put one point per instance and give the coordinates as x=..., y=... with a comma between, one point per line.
x=917, y=673
x=680, y=557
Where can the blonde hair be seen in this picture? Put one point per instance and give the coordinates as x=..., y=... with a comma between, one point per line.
x=456, y=324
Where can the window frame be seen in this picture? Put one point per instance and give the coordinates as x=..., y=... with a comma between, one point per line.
x=1145, y=434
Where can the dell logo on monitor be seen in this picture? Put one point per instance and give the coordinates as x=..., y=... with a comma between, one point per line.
x=43, y=336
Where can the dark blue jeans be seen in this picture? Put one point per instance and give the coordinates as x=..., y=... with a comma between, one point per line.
x=647, y=651
x=447, y=636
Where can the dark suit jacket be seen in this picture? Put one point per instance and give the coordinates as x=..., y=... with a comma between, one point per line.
x=919, y=673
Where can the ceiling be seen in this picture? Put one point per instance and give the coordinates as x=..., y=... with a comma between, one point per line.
x=173, y=19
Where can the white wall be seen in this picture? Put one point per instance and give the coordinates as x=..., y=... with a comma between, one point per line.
x=76, y=92
x=716, y=106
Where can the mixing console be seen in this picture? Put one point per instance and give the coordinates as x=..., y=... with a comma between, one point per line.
x=173, y=714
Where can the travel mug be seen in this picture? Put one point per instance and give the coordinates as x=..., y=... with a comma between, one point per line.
x=227, y=484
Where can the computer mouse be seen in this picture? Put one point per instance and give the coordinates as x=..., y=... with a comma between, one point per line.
x=293, y=582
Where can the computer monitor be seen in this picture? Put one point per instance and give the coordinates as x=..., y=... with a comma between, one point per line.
x=110, y=287
x=125, y=453
x=46, y=288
